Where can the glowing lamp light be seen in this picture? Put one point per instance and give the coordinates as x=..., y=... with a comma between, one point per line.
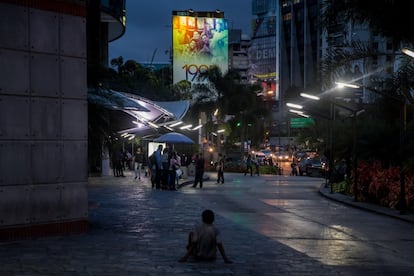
x=408, y=52
x=294, y=105
x=309, y=96
x=344, y=84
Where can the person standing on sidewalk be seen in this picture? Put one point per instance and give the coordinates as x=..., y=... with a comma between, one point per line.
x=204, y=241
x=138, y=160
x=165, y=163
x=249, y=168
x=119, y=160
x=220, y=169
x=256, y=164
x=172, y=174
x=158, y=166
x=199, y=170
x=178, y=172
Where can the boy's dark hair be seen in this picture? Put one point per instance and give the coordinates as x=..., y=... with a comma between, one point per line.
x=208, y=216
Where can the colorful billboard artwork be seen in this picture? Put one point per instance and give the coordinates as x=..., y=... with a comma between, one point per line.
x=198, y=43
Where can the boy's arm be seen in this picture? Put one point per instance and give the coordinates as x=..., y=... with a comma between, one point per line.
x=188, y=253
x=223, y=253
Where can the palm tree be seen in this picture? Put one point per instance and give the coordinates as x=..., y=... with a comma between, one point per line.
x=118, y=63
x=230, y=97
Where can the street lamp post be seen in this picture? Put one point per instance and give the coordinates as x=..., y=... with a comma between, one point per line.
x=302, y=113
x=331, y=155
x=355, y=114
x=401, y=100
x=331, y=162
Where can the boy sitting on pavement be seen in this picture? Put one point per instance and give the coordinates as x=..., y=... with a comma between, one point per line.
x=204, y=241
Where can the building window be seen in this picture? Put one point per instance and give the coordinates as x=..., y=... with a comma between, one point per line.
x=287, y=17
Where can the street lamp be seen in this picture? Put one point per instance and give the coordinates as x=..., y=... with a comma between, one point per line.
x=343, y=84
x=297, y=106
x=408, y=52
x=355, y=113
x=401, y=100
x=299, y=112
x=309, y=96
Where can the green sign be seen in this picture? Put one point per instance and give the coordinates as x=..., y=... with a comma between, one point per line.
x=301, y=122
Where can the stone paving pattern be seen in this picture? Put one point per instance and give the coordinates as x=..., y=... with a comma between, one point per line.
x=135, y=230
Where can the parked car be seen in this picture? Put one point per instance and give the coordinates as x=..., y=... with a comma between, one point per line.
x=301, y=154
x=260, y=157
x=312, y=166
x=283, y=156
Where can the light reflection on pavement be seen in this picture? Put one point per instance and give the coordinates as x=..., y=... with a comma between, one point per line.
x=289, y=210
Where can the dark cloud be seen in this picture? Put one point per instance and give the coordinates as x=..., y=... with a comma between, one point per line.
x=148, y=26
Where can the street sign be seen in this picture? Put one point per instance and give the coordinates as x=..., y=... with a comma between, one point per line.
x=301, y=122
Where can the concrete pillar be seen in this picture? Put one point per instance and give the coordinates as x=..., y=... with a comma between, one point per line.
x=43, y=118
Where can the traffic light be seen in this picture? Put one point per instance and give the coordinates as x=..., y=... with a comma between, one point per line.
x=238, y=124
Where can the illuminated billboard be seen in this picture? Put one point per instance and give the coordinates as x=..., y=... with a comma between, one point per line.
x=199, y=42
x=263, y=49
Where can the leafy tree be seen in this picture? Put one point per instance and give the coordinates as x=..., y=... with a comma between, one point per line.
x=118, y=63
x=390, y=19
x=226, y=94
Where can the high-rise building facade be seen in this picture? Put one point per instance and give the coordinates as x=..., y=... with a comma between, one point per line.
x=284, y=53
x=289, y=43
x=239, y=44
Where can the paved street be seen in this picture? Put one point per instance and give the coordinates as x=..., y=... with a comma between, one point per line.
x=270, y=225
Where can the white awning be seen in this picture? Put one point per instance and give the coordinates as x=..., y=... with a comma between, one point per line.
x=147, y=116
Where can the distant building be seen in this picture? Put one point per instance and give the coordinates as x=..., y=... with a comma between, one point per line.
x=239, y=44
x=369, y=71
x=288, y=44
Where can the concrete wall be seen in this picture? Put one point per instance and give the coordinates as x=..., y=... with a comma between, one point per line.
x=43, y=117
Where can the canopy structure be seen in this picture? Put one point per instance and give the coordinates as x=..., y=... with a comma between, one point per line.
x=113, y=100
x=174, y=138
x=147, y=117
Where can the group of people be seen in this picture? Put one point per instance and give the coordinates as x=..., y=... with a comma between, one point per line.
x=123, y=160
x=119, y=163
x=205, y=239
x=165, y=166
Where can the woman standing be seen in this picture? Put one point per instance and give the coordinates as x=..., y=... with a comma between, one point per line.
x=220, y=169
x=174, y=165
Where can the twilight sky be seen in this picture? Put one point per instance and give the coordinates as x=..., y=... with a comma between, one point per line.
x=148, y=25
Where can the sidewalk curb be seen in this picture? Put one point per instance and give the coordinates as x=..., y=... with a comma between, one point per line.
x=348, y=200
